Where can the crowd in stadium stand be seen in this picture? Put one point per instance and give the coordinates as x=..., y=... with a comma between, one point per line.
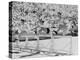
x=38, y=18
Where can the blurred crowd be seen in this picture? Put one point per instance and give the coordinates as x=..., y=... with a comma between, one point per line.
x=43, y=18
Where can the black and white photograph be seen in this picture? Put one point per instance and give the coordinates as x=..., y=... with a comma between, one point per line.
x=42, y=29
